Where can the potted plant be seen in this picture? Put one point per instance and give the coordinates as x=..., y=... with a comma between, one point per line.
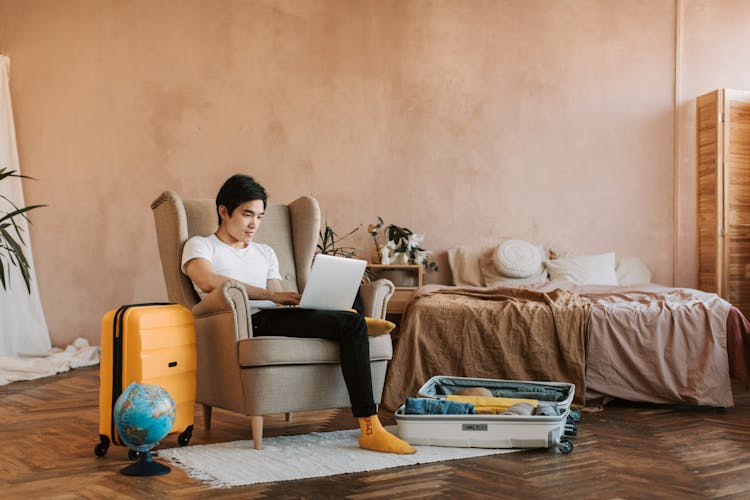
x=11, y=241
x=329, y=243
x=402, y=247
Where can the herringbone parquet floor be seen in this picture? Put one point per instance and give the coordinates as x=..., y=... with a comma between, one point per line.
x=48, y=429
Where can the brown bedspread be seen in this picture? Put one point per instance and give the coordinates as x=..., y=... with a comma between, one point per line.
x=648, y=343
x=502, y=333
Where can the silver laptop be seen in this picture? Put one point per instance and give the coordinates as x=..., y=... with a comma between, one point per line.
x=331, y=285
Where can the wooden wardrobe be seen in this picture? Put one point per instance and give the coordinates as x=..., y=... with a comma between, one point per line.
x=723, y=185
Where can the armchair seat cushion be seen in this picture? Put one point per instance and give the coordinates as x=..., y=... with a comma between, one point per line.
x=265, y=351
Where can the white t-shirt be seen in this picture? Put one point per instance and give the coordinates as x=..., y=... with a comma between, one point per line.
x=252, y=265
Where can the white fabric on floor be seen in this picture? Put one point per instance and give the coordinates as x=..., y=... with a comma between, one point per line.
x=23, y=329
x=285, y=458
x=76, y=355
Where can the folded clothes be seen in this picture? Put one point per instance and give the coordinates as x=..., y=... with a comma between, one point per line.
x=491, y=406
x=547, y=410
x=425, y=406
x=519, y=409
x=541, y=394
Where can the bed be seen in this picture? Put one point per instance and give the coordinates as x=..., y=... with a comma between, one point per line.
x=635, y=341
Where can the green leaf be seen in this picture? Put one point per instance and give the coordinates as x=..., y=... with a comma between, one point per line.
x=17, y=257
x=11, y=251
x=19, y=211
x=12, y=173
x=330, y=239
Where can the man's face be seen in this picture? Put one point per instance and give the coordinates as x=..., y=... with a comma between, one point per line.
x=243, y=222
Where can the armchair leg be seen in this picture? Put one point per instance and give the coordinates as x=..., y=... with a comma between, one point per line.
x=207, y=416
x=289, y=417
x=256, y=425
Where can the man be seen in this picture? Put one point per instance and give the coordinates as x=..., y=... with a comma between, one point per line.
x=230, y=253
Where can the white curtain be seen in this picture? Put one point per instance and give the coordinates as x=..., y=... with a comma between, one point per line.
x=23, y=329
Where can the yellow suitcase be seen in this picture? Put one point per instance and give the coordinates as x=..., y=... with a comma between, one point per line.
x=149, y=344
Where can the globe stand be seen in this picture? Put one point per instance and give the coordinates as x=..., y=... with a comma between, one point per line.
x=145, y=466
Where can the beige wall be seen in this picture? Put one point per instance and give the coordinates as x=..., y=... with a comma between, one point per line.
x=714, y=54
x=465, y=120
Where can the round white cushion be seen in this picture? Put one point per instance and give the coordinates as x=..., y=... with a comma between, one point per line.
x=517, y=258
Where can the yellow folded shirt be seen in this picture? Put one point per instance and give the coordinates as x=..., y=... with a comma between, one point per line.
x=488, y=405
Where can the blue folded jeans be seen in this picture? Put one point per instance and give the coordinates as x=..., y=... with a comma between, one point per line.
x=425, y=406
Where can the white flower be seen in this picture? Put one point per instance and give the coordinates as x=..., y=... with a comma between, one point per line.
x=386, y=253
x=423, y=256
x=415, y=240
x=401, y=258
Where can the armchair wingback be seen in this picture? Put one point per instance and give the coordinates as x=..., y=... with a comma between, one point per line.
x=260, y=376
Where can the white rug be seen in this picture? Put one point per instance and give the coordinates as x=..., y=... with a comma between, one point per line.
x=286, y=458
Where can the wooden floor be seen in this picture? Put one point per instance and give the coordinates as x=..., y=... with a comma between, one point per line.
x=48, y=429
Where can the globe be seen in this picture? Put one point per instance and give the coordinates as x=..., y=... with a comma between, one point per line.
x=143, y=415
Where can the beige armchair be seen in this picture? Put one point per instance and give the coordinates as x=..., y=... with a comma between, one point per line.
x=259, y=376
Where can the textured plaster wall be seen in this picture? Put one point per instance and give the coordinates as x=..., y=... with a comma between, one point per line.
x=714, y=54
x=465, y=120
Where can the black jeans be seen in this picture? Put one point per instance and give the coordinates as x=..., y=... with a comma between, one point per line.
x=347, y=328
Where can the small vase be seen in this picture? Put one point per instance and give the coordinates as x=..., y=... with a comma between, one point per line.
x=401, y=258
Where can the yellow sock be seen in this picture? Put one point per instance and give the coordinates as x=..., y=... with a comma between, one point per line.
x=375, y=437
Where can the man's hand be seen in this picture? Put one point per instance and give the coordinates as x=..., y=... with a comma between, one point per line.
x=286, y=298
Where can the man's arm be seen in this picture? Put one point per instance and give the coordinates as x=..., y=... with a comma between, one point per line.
x=202, y=273
x=274, y=285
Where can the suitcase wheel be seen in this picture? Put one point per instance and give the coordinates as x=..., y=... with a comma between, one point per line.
x=102, y=446
x=565, y=446
x=184, y=438
x=135, y=455
x=575, y=415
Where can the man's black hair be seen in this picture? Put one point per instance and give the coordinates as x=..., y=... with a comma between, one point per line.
x=238, y=189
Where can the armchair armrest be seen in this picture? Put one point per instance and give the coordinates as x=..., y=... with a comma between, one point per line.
x=375, y=296
x=222, y=320
x=230, y=299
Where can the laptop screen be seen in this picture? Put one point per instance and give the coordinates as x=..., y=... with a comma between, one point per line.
x=332, y=283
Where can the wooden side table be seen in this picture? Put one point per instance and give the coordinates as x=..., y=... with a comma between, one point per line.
x=406, y=277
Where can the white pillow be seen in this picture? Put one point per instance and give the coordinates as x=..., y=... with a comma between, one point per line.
x=492, y=278
x=518, y=259
x=464, y=264
x=632, y=271
x=585, y=269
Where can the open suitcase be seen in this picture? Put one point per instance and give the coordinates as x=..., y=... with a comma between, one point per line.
x=493, y=431
x=149, y=344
